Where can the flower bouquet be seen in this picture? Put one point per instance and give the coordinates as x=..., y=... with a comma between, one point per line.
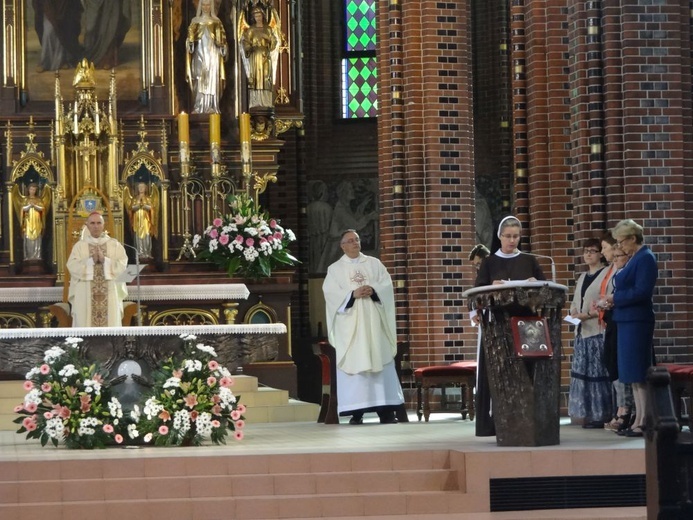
x=247, y=242
x=68, y=401
x=191, y=400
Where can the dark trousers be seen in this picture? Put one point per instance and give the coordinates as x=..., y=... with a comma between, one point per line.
x=485, y=426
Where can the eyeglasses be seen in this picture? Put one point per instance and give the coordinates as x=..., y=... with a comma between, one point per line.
x=511, y=237
x=591, y=251
x=352, y=241
x=620, y=242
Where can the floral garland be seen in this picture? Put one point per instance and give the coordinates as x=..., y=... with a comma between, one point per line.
x=247, y=242
x=69, y=401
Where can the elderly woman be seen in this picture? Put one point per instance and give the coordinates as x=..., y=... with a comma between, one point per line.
x=506, y=264
x=589, y=400
x=633, y=314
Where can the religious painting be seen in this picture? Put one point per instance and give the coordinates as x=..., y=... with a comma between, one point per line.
x=60, y=33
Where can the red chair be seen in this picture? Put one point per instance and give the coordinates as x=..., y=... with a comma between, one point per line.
x=462, y=374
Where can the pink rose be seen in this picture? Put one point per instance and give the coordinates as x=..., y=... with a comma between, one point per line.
x=163, y=430
x=224, y=239
x=30, y=407
x=212, y=365
x=46, y=387
x=119, y=438
x=263, y=240
x=45, y=369
x=273, y=223
x=240, y=424
x=238, y=435
x=238, y=239
x=217, y=222
x=28, y=385
x=235, y=415
x=249, y=241
x=108, y=428
x=214, y=233
x=211, y=380
x=277, y=235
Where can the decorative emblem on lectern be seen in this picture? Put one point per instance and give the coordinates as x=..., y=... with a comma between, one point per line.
x=531, y=336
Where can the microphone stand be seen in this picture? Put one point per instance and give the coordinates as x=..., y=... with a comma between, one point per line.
x=137, y=277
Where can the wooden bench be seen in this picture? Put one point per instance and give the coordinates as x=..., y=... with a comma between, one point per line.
x=462, y=374
x=668, y=453
x=681, y=386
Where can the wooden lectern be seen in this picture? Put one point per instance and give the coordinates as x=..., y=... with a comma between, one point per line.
x=525, y=389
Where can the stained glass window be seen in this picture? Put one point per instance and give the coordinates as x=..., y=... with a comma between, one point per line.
x=359, y=71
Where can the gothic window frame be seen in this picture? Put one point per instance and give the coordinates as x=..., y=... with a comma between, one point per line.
x=358, y=65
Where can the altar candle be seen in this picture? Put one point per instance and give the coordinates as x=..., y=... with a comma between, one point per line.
x=244, y=123
x=96, y=120
x=183, y=127
x=214, y=128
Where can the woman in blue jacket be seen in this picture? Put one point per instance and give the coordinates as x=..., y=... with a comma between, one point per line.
x=633, y=314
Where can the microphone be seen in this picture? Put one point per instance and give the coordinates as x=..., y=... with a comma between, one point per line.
x=553, y=264
x=137, y=277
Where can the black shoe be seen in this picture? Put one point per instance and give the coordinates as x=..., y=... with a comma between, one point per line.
x=356, y=419
x=387, y=417
x=593, y=425
x=635, y=432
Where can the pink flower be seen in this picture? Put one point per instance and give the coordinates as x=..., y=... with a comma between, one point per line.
x=238, y=435
x=249, y=241
x=226, y=382
x=215, y=424
x=18, y=408
x=163, y=430
x=241, y=408
x=277, y=235
x=119, y=438
x=273, y=223
x=224, y=239
x=212, y=365
x=238, y=239
x=190, y=400
x=217, y=222
x=48, y=415
x=27, y=421
x=28, y=385
x=178, y=374
x=214, y=233
x=30, y=407
x=46, y=387
x=240, y=424
x=211, y=380
x=85, y=403
x=62, y=411
x=45, y=369
x=164, y=416
x=98, y=378
x=235, y=415
x=194, y=415
x=216, y=409
x=31, y=427
x=108, y=428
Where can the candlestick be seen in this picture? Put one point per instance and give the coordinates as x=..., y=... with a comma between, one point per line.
x=214, y=128
x=183, y=127
x=244, y=124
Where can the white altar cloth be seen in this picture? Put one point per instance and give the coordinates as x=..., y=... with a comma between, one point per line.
x=227, y=291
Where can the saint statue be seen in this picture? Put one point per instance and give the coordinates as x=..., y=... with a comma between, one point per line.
x=31, y=210
x=259, y=40
x=206, y=53
x=142, y=209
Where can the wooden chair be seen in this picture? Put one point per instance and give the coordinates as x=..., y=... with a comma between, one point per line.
x=462, y=374
x=681, y=387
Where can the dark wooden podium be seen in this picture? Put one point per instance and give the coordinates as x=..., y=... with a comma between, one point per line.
x=525, y=389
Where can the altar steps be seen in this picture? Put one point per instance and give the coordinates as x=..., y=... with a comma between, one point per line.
x=264, y=404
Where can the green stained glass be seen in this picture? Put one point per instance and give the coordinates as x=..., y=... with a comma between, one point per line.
x=360, y=89
x=360, y=23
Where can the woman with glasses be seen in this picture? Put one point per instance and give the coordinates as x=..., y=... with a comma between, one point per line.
x=633, y=313
x=589, y=399
x=506, y=264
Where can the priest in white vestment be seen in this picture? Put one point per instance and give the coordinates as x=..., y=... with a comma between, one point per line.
x=360, y=307
x=96, y=261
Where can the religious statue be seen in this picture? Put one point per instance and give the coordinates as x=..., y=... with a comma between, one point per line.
x=31, y=210
x=206, y=53
x=143, y=212
x=259, y=40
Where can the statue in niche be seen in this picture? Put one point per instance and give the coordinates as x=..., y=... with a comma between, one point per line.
x=31, y=210
x=206, y=52
x=143, y=207
x=259, y=39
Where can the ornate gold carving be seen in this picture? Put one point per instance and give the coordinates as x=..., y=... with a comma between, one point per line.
x=283, y=125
